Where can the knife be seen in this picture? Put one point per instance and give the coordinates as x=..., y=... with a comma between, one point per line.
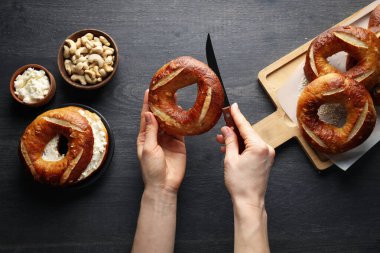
x=211, y=60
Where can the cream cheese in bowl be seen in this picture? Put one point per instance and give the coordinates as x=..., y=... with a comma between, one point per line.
x=32, y=85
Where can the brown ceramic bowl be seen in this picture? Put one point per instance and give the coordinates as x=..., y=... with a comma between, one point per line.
x=74, y=37
x=41, y=102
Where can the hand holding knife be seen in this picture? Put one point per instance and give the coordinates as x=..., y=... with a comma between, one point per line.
x=211, y=60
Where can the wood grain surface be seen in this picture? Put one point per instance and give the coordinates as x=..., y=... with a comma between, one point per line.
x=308, y=212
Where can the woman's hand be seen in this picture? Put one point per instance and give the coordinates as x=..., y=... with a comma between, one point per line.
x=163, y=160
x=245, y=175
x=162, y=157
x=246, y=178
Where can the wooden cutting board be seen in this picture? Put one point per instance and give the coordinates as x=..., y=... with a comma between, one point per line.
x=277, y=128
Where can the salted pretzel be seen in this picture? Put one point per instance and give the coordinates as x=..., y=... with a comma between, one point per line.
x=335, y=88
x=177, y=74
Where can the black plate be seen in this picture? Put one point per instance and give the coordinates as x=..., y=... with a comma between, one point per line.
x=100, y=171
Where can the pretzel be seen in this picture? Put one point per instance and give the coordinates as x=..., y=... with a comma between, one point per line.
x=177, y=74
x=39, y=146
x=335, y=88
x=359, y=43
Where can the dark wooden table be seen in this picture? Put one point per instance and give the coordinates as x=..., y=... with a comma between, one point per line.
x=308, y=212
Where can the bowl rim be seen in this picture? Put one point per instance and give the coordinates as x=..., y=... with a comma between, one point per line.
x=20, y=71
x=62, y=70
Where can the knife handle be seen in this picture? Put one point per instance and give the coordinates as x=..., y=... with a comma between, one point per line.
x=230, y=123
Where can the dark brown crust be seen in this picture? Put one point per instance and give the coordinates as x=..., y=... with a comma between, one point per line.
x=354, y=98
x=374, y=26
x=41, y=131
x=374, y=18
x=161, y=98
x=328, y=44
x=376, y=95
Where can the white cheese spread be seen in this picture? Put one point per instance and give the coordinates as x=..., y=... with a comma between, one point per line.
x=32, y=85
x=100, y=143
x=51, y=152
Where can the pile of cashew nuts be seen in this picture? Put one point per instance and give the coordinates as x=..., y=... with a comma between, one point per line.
x=89, y=59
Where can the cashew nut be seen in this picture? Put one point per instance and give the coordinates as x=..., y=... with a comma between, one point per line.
x=107, y=51
x=89, y=80
x=72, y=45
x=99, y=79
x=96, y=70
x=92, y=65
x=96, y=58
x=102, y=72
x=68, y=66
x=109, y=60
x=82, y=58
x=88, y=44
x=79, y=78
x=98, y=43
x=74, y=59
x=81, y=50
x=66, y=52
x=78, y=42
x=91, y=73
x=96, y=50
x=78, y=69
x=104, y=41
x=89, y=36
x=85, y=65
x=108, y=68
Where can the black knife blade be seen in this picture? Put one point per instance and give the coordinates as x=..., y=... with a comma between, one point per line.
x=212, y=63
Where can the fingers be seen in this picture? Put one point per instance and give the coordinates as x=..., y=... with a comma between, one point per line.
x=220, y=139
x=151, y=131
x=141, y=135
x=145, y=108
x=249, y=135
x=230, y=140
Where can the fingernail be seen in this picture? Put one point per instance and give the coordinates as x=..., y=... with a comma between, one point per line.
x=147, y=118
x=225, y=131
x=235, y=105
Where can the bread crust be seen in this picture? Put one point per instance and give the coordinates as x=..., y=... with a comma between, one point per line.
x=373, y=26
x=177, y=74
x=69, y=123
x=359, y=43
x=374, y=18
x=335, y=88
